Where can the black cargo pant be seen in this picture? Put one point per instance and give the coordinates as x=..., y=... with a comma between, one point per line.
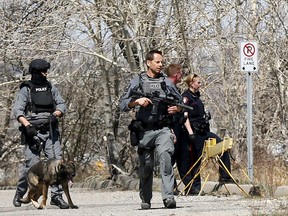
x=182, y=155
x=177, y=133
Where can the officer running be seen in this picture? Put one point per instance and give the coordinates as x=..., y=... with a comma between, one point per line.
x=37, y=107
x=156, y=134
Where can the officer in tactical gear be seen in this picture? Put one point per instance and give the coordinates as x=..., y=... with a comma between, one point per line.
x=156, y=134
x=37, y=107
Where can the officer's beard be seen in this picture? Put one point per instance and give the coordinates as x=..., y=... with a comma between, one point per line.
x=39, y=80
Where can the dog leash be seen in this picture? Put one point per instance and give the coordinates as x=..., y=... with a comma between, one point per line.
x=52, y=138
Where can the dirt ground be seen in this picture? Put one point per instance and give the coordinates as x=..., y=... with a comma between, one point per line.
x=127, y=203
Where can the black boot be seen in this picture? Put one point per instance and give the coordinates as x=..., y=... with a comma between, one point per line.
x=169, y=202
x=228, y=180
x=16, y=200
x=58, y=201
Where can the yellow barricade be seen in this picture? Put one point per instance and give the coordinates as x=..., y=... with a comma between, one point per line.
x=212, y=149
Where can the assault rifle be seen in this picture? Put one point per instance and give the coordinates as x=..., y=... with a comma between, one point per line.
x=158, y=98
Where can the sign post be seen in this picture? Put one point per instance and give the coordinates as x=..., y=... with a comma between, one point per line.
x=249, y=56
x=249, y=64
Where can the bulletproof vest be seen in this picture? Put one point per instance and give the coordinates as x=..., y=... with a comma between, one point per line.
x=148, y=85
x=152, y=86
x=41, y=98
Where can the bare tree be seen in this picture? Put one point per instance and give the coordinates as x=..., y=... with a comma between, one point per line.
x=96, y=46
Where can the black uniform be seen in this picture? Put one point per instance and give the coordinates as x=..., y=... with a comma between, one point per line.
x=181, y=156
x=200, y=127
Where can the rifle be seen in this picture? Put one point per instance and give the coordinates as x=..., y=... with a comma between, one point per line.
x=157, y=98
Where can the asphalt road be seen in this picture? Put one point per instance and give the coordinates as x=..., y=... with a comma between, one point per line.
x=127, y=203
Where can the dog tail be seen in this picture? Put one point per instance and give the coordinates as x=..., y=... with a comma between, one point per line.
x=25, y=200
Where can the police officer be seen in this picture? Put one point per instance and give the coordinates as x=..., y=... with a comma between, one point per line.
x=198, y=131
x=174, y=73
x=156, y=135
x=37, y=107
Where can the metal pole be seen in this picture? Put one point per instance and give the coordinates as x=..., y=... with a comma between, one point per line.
x=249, y=125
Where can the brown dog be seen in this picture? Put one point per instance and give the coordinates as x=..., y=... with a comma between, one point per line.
x=45, y=173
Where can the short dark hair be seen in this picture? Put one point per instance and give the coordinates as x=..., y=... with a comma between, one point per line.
x=150, y=54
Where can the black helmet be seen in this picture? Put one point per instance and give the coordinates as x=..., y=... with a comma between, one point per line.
x=38, y=65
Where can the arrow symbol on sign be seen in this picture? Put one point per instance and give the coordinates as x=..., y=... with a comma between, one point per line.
x=254, y=68
x=243, y=68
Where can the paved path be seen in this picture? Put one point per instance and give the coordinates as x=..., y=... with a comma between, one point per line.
x=127, y=203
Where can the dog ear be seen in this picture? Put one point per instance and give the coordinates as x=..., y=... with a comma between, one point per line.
x=71, y=163
x=61, y=166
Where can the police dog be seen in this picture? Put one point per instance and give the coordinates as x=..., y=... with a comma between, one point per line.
x=45, y=173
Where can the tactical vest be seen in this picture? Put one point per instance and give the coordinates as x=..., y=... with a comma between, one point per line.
x=149, y=85
x=41, y=98
x=152, y=85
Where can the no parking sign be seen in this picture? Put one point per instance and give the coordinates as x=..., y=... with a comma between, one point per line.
x=249, y=56
x=249, y=64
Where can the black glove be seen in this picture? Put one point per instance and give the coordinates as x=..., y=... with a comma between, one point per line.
x=31, y=130
x=192, y=138
x=53, y=119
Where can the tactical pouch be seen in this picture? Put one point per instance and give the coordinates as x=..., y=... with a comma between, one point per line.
x=200, y=128
x=133, y=138
x=136, y=132
x=23, y=139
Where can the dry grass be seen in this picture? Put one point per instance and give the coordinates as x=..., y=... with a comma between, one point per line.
x=268, y=172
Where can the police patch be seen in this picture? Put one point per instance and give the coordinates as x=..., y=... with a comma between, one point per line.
x=42, y=89
x=185, y=100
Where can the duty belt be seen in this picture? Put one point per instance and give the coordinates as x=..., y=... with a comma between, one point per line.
x=153, y=125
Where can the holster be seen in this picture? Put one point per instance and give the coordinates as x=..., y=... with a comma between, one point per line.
x=23, y=135
x=136, y=132
x=34, y=143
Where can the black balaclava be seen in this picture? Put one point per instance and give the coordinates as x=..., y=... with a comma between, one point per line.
x=36, y=67
x=38, y=79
